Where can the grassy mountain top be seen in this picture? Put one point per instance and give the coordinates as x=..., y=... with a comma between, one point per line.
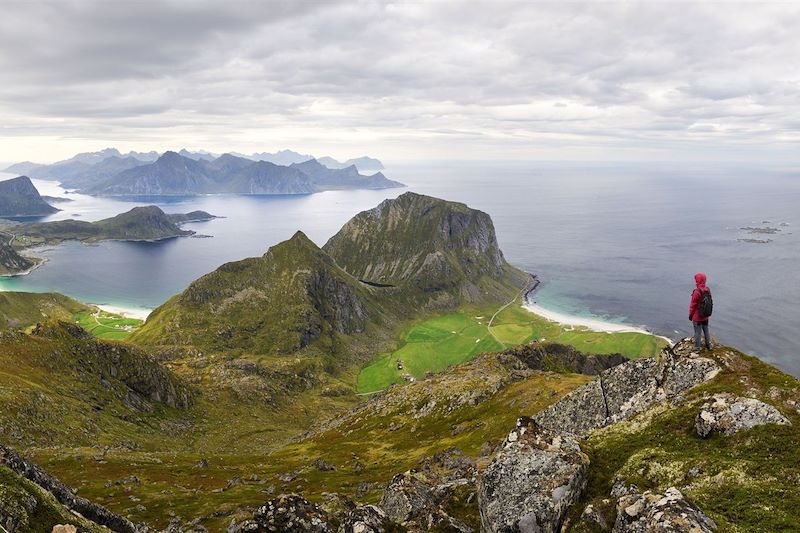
x=433, y=250
x=19, y=197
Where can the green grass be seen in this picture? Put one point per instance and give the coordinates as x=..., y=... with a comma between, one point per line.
x=106, y=325
x=442, y=341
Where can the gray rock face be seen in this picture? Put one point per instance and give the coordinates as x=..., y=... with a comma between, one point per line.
x=727, y=414
x=665, y=513
x=366, y=519
x=625, y=390
x=532, y=481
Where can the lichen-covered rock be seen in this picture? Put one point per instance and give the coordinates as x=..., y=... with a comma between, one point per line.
x=366, y=519
x=726, y=414
x=532, y=481
x=665, y=513
x=289, y=512
x=407, y=496
x=625, y=390
x=419, y=499
x=578, y=412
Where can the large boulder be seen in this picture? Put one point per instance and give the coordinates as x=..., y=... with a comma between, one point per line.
x=289, y=512
x=419, y=499
x=532, y=481
x=366, y=519
x=726, y=414
x=625, y=390
x=665, y=513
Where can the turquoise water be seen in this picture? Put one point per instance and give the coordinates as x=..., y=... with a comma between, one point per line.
x=611, y=241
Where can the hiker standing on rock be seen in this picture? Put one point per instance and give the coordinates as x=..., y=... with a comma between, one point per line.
x=700, y=309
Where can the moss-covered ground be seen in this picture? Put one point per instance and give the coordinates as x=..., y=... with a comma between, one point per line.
x=439, y=342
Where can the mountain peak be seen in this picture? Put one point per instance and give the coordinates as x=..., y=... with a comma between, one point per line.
x=19, y=197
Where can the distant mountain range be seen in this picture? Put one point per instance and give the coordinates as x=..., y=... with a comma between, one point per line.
x=18, y=197
x=109, y=172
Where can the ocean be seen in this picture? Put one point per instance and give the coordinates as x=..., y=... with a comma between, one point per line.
x=619, y=242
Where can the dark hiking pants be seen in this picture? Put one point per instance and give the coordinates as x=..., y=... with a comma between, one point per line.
x=701, y=327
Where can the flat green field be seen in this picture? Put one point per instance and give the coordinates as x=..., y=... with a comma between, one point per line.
x=435, y=344
x=107, y=325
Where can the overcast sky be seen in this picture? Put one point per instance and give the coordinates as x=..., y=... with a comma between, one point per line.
x=400, y=81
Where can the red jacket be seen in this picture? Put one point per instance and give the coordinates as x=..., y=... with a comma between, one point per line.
x=697, y=298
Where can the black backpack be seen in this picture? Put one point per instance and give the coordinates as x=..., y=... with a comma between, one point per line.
x=706, y=303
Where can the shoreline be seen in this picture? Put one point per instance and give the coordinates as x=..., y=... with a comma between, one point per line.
x=127, y=312
x=593, y=324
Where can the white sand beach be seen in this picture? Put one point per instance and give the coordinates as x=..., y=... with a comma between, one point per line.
x=588, y=323
x=128, y=312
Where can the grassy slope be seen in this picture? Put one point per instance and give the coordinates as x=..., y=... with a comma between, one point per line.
x=386, y=440
x=34, y=509
x=23, y=309
x=439, y=342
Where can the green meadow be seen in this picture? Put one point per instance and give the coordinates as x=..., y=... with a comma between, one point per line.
x=107, y=325
x=442, y=341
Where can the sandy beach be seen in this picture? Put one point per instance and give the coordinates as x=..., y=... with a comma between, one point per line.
x=128, y=312
x=588, y=323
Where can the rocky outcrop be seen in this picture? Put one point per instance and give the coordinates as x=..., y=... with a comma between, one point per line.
x=366, y=519
x=65, y=495
x=666, y=513
x=295, y=514
x=625, y=390
x=726, y=414
x=418, y=499
x=289, y=513
x=532, y=481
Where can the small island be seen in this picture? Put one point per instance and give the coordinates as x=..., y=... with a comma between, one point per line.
x=148, y=223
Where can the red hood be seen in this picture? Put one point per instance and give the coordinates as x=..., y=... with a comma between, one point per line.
x=700, y=280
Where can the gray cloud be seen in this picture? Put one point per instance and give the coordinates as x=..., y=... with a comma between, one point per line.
x=521, y=79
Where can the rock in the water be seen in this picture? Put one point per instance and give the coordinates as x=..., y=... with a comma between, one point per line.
x=665, y=513
x=726, y=414
x=532, y=481
x=290, y=513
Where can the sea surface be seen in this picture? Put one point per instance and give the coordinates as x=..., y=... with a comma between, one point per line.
x=618, y=242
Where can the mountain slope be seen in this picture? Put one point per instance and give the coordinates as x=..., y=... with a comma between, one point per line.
x=325, y=178
x=11, y=262
x=18, y=197
x=280, y=303
x=23, y=309
x=427, y=247
x=170, y=174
